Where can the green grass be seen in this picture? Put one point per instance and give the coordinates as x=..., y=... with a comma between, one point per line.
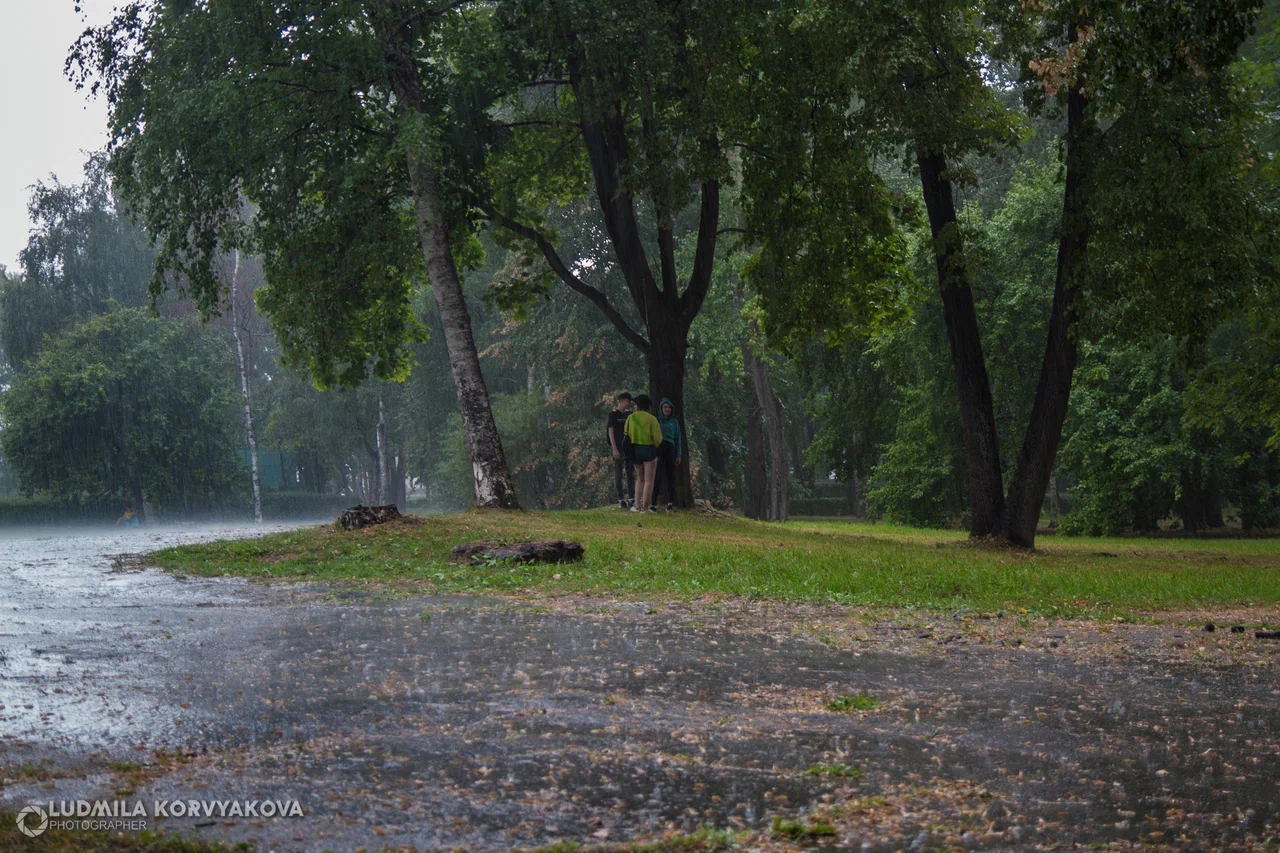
x=797, y=831
x=835, y=771
x=124, y=766
x=853, y=702
x=687, y=555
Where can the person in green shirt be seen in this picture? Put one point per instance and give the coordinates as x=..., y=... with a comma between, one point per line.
x=644, y=434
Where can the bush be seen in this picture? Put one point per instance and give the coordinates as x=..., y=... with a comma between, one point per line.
x=17, y=512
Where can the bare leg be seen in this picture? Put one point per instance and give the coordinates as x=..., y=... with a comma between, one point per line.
x=650, y=473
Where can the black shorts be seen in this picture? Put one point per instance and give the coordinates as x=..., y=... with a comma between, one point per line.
x=644, y=452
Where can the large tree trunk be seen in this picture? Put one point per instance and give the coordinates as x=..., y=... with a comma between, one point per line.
x=493, y=485
x=755, y=481
x=977, y=414
x=1049, y=411
x=771, y=407
x=244, y=390
x=666, y=379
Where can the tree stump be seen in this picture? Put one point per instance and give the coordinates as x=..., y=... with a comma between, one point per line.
x=360, y=517
x=543, y=551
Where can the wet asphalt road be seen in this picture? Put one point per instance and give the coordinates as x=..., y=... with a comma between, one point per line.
x=444, y=722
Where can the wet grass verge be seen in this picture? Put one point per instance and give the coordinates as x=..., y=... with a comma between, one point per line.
x=690, y=555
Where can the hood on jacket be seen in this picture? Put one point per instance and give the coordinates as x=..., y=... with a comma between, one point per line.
x=666, y=401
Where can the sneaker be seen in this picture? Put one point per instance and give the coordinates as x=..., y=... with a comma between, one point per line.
x=670, y=507
x=653, y=509
x=633, y=509
x=622, y=505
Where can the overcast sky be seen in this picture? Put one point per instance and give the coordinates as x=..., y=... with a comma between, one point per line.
x=46, y=126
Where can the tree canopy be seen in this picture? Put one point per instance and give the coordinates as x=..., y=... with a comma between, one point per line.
x=887, y=254
x=83, y=254
x=125, y=405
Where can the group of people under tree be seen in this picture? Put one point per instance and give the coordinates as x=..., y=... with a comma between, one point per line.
x=647, y=448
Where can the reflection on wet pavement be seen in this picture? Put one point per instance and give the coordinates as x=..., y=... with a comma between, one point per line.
x=448, y=721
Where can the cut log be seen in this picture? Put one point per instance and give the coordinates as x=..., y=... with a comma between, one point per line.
x=543, y=551
x=360, y=517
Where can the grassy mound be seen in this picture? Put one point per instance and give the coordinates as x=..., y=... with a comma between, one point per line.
x=691, y=554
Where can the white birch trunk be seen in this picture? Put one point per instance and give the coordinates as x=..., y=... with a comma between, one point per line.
x=384, y=474
x=244, y=389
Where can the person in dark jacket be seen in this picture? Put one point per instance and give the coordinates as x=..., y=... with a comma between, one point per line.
x=621, y=461
x=670, y=454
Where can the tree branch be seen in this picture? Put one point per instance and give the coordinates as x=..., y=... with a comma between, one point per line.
x=704, y=257
x=606, y=144
x=667, y=260
x=566, y=275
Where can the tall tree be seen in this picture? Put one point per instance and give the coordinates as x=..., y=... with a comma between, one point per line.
x=1157, y=76
x=623, y=102
x=329, y=118
x=250, y=433
x=1160, y=80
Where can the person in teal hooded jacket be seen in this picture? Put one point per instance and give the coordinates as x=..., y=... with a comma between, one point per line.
x=670, y=454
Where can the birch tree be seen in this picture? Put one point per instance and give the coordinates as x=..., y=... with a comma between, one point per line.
x=244, y=389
